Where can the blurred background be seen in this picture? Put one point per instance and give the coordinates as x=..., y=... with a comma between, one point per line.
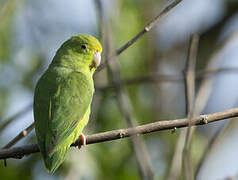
x=151, y=72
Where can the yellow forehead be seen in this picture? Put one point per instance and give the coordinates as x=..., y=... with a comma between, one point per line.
x=91, y=41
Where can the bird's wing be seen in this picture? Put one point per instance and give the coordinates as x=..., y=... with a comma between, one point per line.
x=59, y=104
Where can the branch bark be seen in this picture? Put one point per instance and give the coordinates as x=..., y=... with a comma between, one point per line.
x=19, y=152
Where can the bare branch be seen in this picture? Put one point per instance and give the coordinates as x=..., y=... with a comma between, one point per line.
x=146, y=29
x=18, y=138
x=19, y=152
x=190, y=73
x=190, y=94
x=21, y=135
x=15, y=116
x=176, y=164
x=160, y=78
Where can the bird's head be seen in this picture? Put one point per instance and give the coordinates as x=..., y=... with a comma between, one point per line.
x=80, y=51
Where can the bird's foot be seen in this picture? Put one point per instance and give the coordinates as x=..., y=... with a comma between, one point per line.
x=82, y=137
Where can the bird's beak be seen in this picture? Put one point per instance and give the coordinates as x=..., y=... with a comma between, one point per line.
x=96, y=59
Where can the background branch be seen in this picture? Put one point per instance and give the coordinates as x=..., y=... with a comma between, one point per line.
x=183, y=139
x=19, y=152
x=21, y=135
x=138, y=145
x=146, y=29
x=15, y=116
x=160, y=78
x=18, y=138
x=189, y=95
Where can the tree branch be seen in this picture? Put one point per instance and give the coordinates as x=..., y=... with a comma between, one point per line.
x=146, y=29
x=21, y=135
x=190, y=94
x=19, y=152
x=160, y=78
x=15, y=116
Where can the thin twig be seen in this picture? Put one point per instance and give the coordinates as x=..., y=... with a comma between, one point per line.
x=21, y=135
x=190, y=74
x=176, y=164
x=19, y=152
x=190, y=94
x=146, y=29
x=160, y=78
x=15, y=116
x=18, y=138
x=207, y=72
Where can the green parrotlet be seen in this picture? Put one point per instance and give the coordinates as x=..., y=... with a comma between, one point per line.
x=63, y=97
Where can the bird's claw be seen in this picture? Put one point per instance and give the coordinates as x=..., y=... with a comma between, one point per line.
x=82, y=137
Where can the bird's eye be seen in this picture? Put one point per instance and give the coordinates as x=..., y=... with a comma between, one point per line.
x=83, y=46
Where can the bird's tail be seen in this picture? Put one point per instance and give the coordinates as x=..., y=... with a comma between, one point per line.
x=55, y=159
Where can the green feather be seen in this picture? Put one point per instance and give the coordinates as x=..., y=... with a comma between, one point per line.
x=63, y=98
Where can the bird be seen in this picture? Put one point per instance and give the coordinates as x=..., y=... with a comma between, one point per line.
x=63, y=96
